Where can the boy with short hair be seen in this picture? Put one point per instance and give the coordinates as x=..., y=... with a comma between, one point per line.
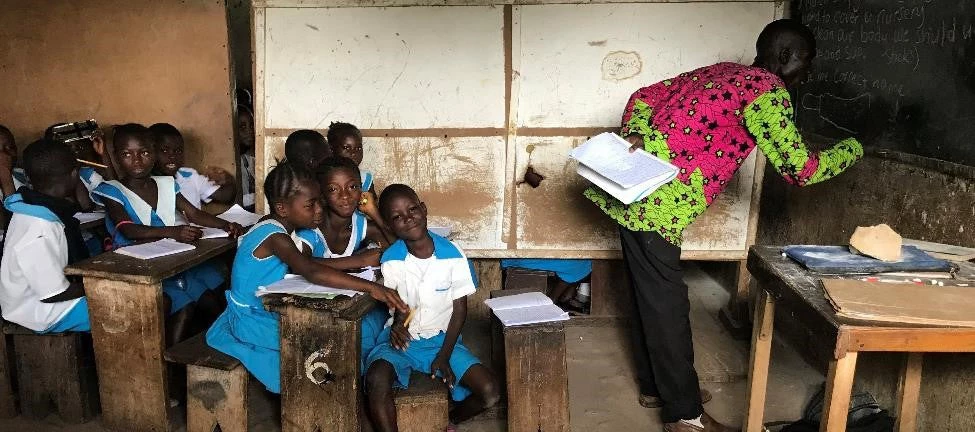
x=216, y=185
x=306, y=148
x=432, y=275
x=42, y=239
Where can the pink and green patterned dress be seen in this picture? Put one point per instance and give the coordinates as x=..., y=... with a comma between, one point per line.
x=706, y=122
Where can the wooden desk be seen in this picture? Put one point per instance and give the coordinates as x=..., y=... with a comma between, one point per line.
x=320, y=361
x=786, y=286
x=125, y=302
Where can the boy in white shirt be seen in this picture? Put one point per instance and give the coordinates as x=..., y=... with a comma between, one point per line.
x=216, y=185
x=44, y=237
x=433, y=277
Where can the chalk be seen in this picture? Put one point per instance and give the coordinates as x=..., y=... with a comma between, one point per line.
x=409, y=317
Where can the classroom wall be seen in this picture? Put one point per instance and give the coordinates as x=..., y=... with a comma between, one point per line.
x=119, y=61
x=920, y=198
x=459, y=100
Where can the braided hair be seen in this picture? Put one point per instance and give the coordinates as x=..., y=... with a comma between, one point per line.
x=284, y=180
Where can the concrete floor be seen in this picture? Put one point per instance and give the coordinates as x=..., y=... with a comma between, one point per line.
x=602, y=387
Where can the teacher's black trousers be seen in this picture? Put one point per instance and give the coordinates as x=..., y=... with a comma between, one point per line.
x=662, y=328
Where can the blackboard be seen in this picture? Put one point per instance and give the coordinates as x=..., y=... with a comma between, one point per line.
x=904, y=67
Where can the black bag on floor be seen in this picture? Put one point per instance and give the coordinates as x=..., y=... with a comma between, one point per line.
x=877, y=422
x=865, y=415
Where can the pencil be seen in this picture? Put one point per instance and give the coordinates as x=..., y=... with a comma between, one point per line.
x=409, y=317
x=94, y=164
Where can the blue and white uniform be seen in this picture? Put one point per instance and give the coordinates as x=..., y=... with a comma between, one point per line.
x=366, y=180
x=185, y=287
x=91, y=179
x=245, y=330
x=32, y=269
x=372, y=322
x=429, y=286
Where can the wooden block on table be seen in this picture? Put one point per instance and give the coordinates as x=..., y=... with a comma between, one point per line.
x=56, y=372
x=422, y=407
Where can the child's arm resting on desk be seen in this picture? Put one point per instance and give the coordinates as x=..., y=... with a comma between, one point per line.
x=134, y=231
x=284, y=248
x=367, y=258
x=202, y=218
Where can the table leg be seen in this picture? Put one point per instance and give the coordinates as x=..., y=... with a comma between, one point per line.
x=839, y=385
x=759, y=361
x=128, y=332
x=319, y=371
x=908, y=390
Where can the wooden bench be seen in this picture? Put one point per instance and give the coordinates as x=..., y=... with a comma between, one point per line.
x=216, y=386
x=424, y=406
x=55, y=372
x=535, y=373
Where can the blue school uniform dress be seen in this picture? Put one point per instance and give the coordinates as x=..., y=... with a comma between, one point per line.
x=185, y=287
x=372, y=322
x=245, y=330
x=32, y=269
x=429, y=286
x=569, y=270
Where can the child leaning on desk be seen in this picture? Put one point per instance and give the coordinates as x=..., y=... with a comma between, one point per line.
x=433, y=276
x=245, y=330
x=141, y=206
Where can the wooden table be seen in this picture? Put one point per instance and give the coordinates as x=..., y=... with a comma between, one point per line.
x=125, y=301
x=320, y=361
x=786, y=286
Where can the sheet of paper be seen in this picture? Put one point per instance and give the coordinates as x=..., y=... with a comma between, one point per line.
x=294, y=284
x=518, y=301
x=156, y=249
x=239, y=215
x=531, y=315
x=87, y=217
x=608, y=154
x=212, y=233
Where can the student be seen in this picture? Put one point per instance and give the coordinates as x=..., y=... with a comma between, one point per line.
x=143, y=207
x=344, y=232
x=245, y=138
x=306, y=148
x=265, y=255
x=433, y=276
x=569, y=272
x=346, y=141
x=217, y=186
x=42, y=239
x=90, y=149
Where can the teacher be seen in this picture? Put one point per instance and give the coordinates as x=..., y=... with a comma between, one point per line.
x=705, y=122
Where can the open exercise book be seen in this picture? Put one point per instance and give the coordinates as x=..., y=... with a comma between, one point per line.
x=156, y=249
x=295, y=284
x=528, y=308
x=606, y=161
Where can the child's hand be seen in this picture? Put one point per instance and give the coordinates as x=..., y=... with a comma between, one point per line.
x=185, y=233
x=218, y=175
x=399, y=336
x=367, y=204
x=98, y=143
x=369, y=258
x=234, y=229
x=636, y=141
x=390, y=297
x=441, y=363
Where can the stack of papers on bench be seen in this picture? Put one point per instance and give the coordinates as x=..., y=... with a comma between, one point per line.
x=239, y=215
x=86, y=217
x=156, y=249
x=294, y=284
x=606, y=161
x=528, y=308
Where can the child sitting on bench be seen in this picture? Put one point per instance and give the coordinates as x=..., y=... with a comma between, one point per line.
x=434, y=278
x=42, y=239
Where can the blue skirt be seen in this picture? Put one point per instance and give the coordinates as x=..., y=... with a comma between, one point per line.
x=250, y=335
x=189, y=286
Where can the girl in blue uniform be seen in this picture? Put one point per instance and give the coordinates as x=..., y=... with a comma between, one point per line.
x=265, y=255
x=143, y=207
x=343, y=234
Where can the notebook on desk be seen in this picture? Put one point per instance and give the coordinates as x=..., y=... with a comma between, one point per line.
x=156, y=249
x=607, y=162
x=528, y=308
